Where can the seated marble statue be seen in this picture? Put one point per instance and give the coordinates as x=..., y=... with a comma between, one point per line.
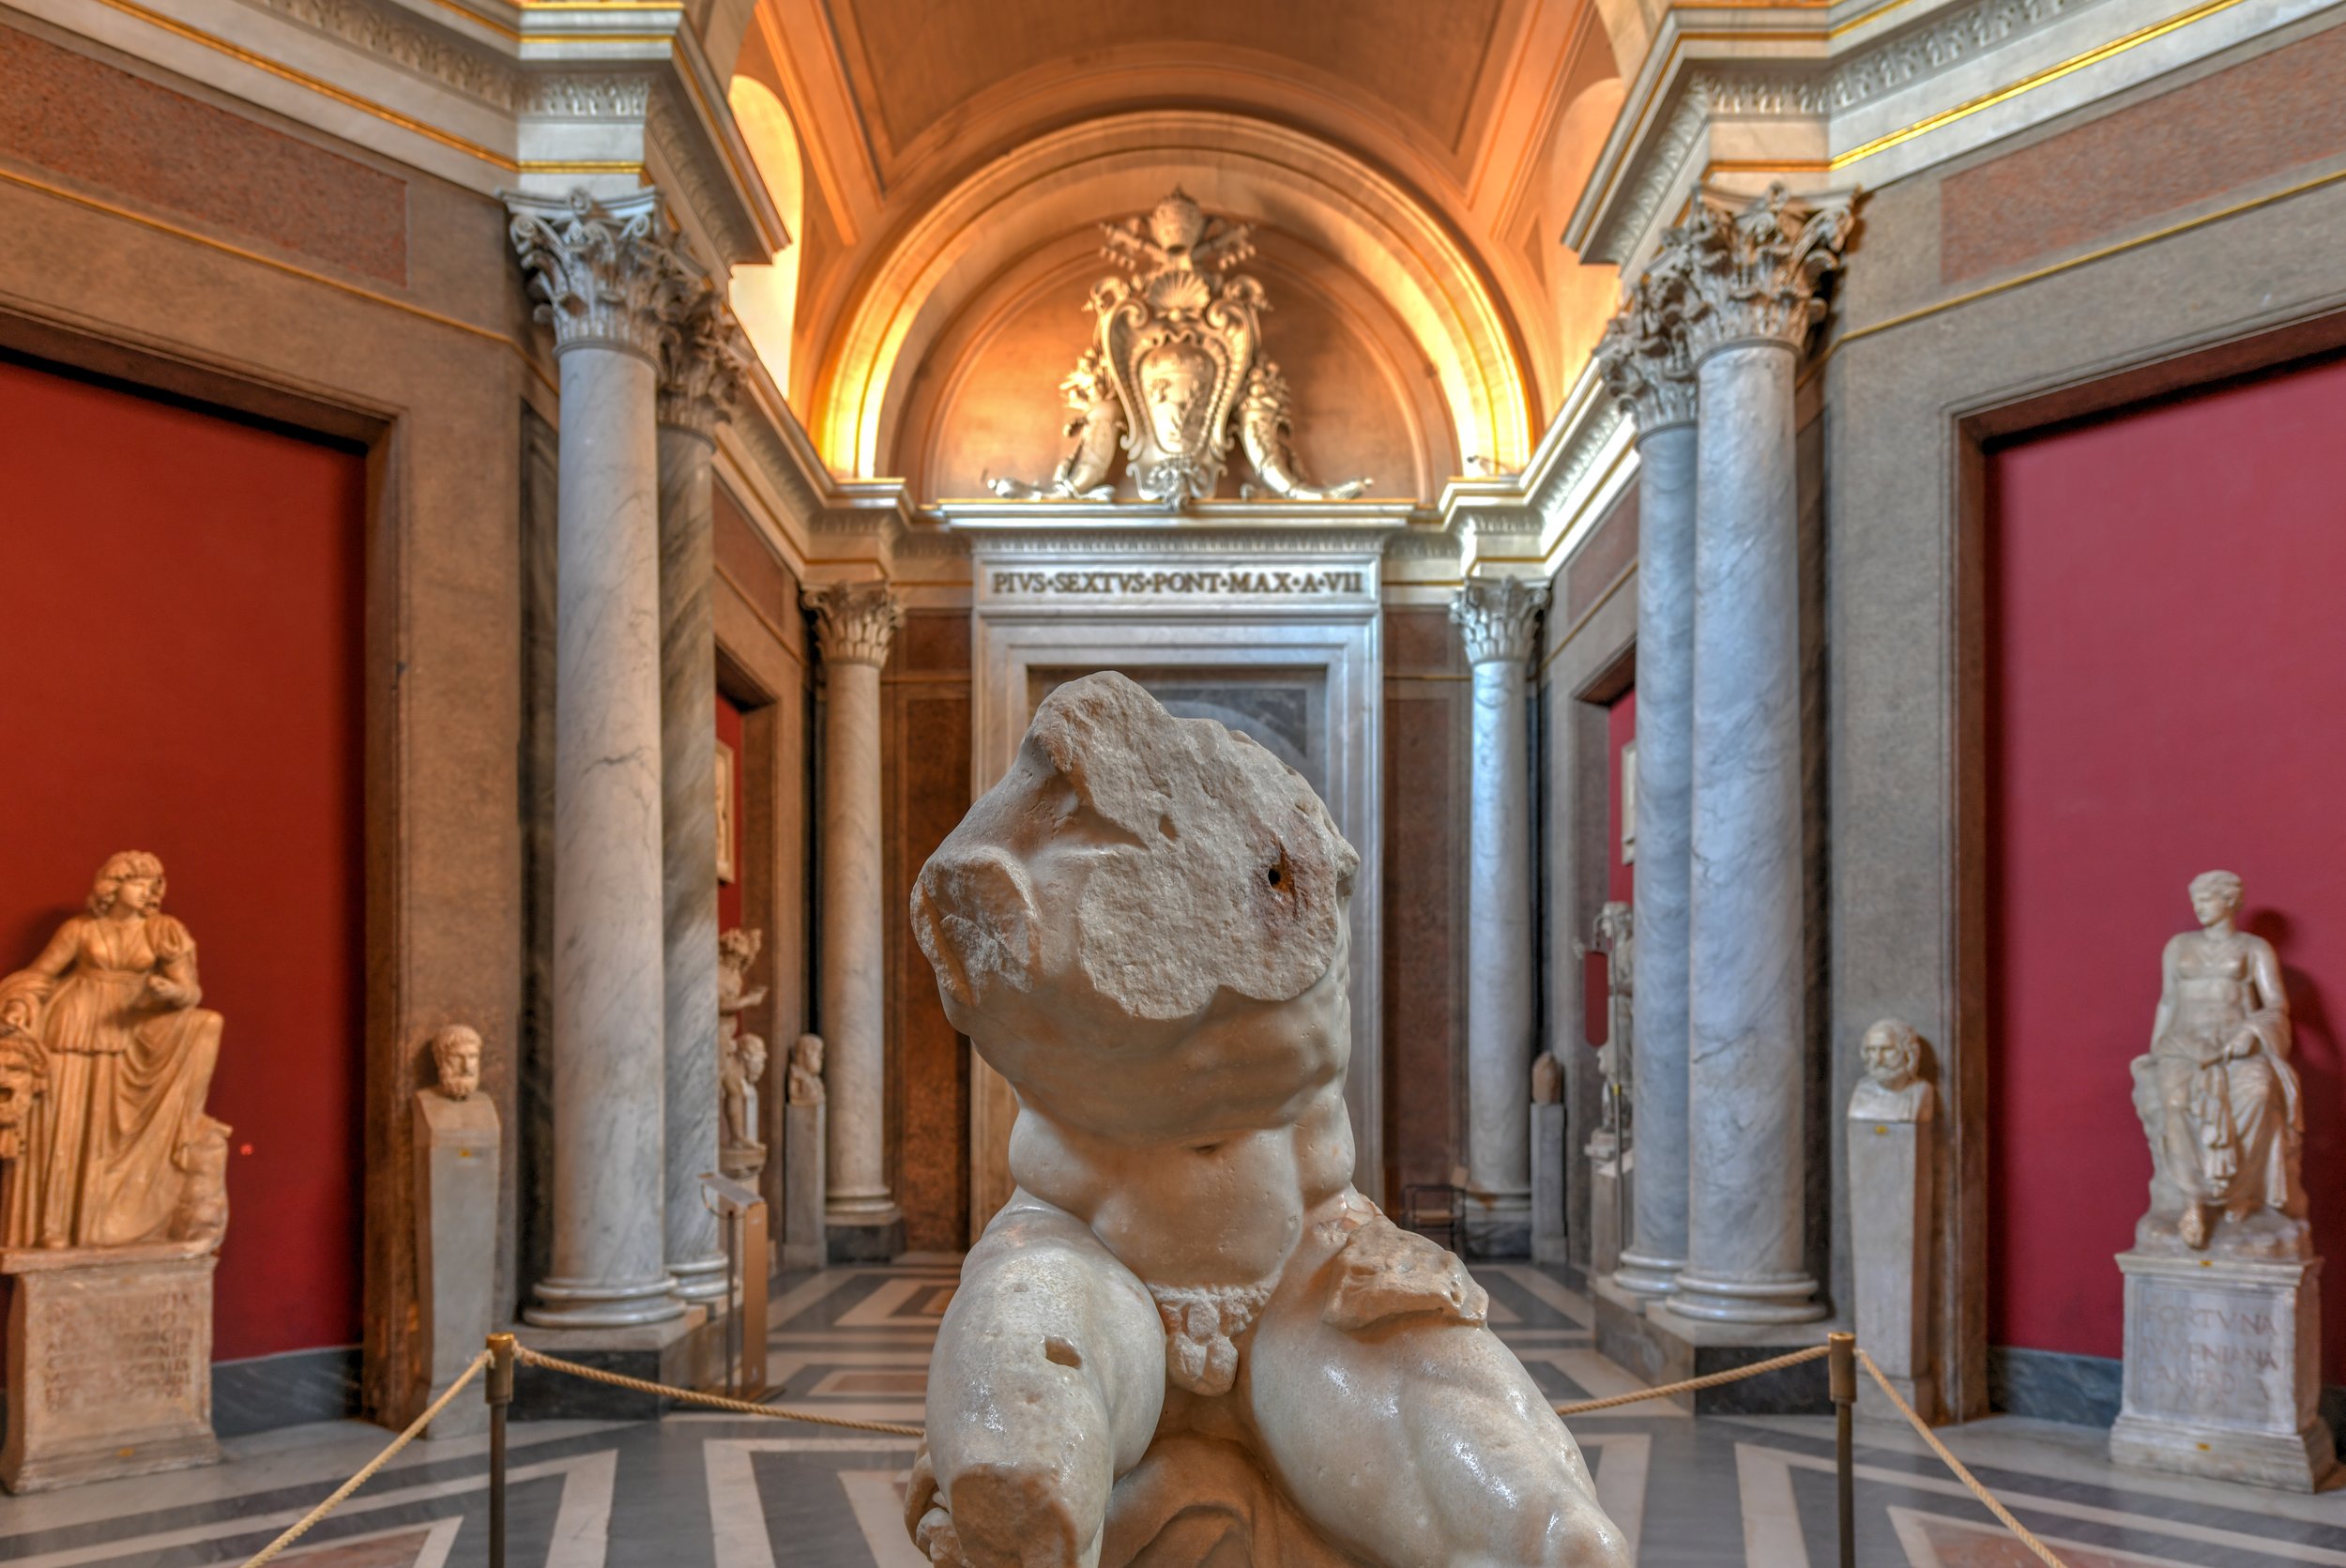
x=2217, y=1096
x=116, y=1150
x=1186, y=1339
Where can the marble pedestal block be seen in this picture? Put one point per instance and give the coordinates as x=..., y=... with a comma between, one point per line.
x=1547, y=1184
x=457, y=1144
x=110, y=1363
x=2222, y=1370
x=1607, y=1202
x=803, y=1245
x=1889, y=1190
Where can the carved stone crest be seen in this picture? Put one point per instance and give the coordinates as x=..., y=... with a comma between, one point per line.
x=1176, y=362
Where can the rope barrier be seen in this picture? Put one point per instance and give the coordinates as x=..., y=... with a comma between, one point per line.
x=718, y=1401
x=1711, y=1380
x=512, y=1353
x=340, y=1494
x=2003, y=1514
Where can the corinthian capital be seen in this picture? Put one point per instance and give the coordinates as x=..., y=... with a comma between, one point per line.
x=1644, y=356
x=604, y=272
x=702, y=358
x=1497, y=614
x=855, y=621
x=1755, y=271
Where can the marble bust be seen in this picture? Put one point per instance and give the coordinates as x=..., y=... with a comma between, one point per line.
x=117, y=1151
x=2217, y=1096
x=806, y=1071
x=456, y=1062
x=1186, y=1338
x=1893, y=1088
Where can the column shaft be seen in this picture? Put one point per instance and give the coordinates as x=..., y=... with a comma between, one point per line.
x=1746, y=1063
x=854, y=932
x=608, y=1260
x=688, y=814
x=1666, y=674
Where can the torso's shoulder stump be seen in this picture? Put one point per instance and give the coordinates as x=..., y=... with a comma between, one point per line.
x=1385, y=1272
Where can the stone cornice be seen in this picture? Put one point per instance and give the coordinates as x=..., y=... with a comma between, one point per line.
x=1693, y=78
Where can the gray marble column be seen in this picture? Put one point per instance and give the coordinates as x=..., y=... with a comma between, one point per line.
x=855, y=623
x=1751, y=302
x=1498, y=616
x=608, y=276
x=1646, y=364
x=700, y=365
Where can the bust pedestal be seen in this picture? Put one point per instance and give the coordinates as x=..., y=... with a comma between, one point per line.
x=2223, y=1369
x=804, y=1244
x=457, y=1144
x=110, y=1362
x=1889, y=1183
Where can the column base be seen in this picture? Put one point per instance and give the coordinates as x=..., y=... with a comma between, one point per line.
x=1646, y=1337
x=1789, y=1298
x=1643, y=1274
x=592, y=1304
x=687, y=1351
x=863, y=1240
x=1497, y=1224
x=701, y=1280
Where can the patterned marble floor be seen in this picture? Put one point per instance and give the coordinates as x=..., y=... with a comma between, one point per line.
x=698, y=1491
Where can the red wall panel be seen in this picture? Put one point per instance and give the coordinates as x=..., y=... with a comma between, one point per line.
x=2168, y=672
x=1620, y=728
x=180, y=654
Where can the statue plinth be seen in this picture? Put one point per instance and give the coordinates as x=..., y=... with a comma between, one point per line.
x=457, y=1148
x=2223, y=1369
x=110, y=1362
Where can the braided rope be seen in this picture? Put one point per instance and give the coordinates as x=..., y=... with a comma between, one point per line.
x=2003, y=1514
x=1709, y=1379
x=340, y=1494
x=741, y=1407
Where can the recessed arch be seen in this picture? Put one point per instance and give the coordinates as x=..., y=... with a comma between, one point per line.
x=765, y=297
x=1270, y=176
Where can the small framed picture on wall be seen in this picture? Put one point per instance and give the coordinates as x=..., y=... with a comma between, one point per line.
x=726, y=872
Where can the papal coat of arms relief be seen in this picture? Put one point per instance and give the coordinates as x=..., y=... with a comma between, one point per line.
x=1177, y=360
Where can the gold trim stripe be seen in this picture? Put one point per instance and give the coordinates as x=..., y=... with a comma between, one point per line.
x=2050, y=74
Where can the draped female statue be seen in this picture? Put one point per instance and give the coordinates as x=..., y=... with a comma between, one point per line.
x=2217, y=1096
x=116, y=1149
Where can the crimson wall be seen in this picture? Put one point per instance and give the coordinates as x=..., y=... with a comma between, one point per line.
x=179, y=672
x=2167, y=696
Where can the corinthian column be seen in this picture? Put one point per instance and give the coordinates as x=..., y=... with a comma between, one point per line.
x=855, y=622
x=1645, y=362
x=700, y=375
x=1752, y=279
x=607, y=276
x=1497, y=615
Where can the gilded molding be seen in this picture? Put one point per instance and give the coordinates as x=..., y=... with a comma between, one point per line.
x=1498, y=616
x=1755, y=271
x=855, y=622
x=604, y=272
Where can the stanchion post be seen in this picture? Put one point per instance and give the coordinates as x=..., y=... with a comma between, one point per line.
x=1841, y=1364
x=501, y=1396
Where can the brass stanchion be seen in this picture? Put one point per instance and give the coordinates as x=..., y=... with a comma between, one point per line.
x=1841, y=1372
x=500, y=1394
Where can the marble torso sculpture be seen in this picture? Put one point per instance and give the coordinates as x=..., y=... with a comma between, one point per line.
x=116, y=1150
x=1177, y=359
x=1186, y=1338
x=2218, y=1098
x=740, y=1057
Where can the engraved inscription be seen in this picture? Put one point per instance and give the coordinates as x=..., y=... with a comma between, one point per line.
x=107, y=1352
x=2194, y=1353
x=1160, y=583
